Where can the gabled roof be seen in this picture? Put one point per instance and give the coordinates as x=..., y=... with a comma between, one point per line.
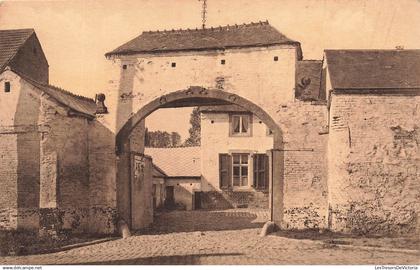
x=80, y=104
x=10, y=43
x=308, y=79
x=374, y=69
x=176, y=162
x=218, y=38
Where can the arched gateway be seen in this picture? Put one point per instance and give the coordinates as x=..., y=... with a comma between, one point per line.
x=193, y=96
x=253, y=66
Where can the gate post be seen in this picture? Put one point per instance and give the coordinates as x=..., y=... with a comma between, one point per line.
x=277, y=187
x=124, y=187
x=141, y=203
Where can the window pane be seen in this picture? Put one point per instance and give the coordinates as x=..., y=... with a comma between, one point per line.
x=244, y=159
x=236, y=170
x=261, y=161
x=236, y=158
x=235, y=124
x=244, y=181
x=245, y=123
x=244, y=171
x=236, y=181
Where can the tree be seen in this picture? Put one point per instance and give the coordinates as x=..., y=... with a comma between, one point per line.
x=175, y=139
x=195, y=129
x=161, y=139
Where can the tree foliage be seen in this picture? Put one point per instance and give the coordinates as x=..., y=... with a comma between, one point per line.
x=162, y=139
x=195, y=129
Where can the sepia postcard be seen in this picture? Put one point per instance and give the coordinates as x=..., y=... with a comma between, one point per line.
x=210, y=132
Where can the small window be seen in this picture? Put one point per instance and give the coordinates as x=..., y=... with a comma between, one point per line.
x=7, y=87
x=124, y=66
x=223, y=61
x=240, y=125
x=173, y=64
x=276, y=58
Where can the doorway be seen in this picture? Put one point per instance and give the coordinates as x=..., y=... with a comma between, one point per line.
x=197, y=200
x=169, y=198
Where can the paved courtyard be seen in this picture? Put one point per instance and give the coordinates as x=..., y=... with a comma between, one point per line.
x=216, y=237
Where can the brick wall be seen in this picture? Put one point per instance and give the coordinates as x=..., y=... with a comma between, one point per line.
x=8, y=178
x=374, y=162
x=65, y=147
x=304, y=164
x=102, y=179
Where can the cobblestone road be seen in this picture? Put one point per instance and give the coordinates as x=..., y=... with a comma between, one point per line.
x=224, y=237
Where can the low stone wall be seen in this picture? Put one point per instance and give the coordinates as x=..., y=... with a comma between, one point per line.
x=234, y=199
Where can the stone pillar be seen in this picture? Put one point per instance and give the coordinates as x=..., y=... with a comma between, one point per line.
x=141, y=191
x=277, y=187
x=123, y=187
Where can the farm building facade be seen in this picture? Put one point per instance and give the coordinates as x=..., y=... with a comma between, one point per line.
x=344, y=131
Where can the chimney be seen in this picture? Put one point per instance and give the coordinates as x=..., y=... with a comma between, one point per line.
x=100, y=104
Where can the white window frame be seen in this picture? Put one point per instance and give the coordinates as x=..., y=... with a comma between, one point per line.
x=240, y=165
x=240, y=133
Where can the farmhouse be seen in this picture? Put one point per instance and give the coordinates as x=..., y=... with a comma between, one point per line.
x=338, y=141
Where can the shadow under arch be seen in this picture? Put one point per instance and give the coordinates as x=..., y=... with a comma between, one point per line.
x=195, y=96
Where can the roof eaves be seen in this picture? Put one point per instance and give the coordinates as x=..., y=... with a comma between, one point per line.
x=40, y=87
x=378, y=91
x=184, y=176
x=162, y=51
x=159, y=169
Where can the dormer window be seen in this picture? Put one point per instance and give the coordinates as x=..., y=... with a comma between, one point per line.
x=7, y=87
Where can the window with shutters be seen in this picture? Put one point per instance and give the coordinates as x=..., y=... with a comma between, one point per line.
x=240, y=170
x=233, y=170
x=261, y=173
x=240, y=125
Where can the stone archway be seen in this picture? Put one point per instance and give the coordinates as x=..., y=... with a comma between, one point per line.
x=194, y=96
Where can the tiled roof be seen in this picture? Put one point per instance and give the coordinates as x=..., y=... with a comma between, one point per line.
x=374, y=69
x=308, y=79
x=222, y=108
x=234, y=36
x=81, y=104
x=176, y=162
x=10, y=43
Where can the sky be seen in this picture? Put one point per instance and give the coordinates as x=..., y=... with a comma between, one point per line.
x=75, y=35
